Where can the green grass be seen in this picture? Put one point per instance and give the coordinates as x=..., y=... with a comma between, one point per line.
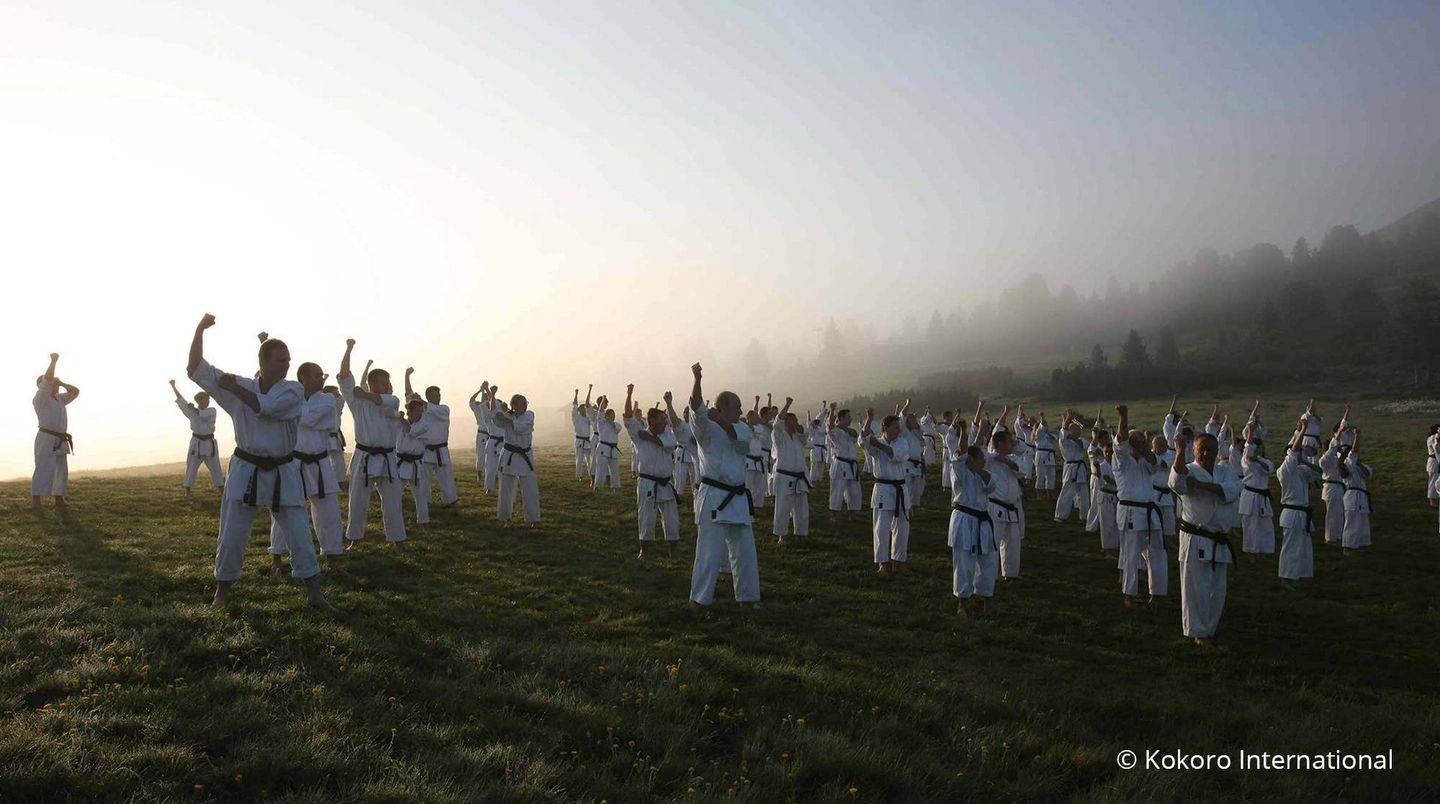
x=549, y=665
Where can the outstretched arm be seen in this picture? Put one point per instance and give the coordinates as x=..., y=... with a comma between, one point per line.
x=409, y=390
x=178, y=396
x=697, y=397
x=197, y=346
x=50, y=372
x=670, y=409
x=629, y=395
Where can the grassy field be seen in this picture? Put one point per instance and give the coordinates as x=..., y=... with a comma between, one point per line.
x=487, y=664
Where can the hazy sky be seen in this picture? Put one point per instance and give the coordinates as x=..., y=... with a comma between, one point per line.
x=522, y=192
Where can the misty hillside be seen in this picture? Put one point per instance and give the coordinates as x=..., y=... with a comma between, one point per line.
x=1361, y=303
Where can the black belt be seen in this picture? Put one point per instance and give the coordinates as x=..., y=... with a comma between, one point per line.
x=757, y=459
x=365, y=462
x=1309, y=514
x=658, y=481
x=1084, y=466
x=1150, y=508
x=320, y=458
x=1044, y=449
x=584, y=440
x=1366, y=492
x=205, y=437
x=410, y=457
x=800, y=476
x=920, y=464
x=340, y=435
x=612, y=445
x=1262, y=492
x=262, y=463
x=982, y=516
x=1163, y=490
x=65, y=438
x=1220, y=539
x=899, y=486
x=523, y=452
x=435, y=448
x=732, y=493
x=1007, y=506
x=1339, y=483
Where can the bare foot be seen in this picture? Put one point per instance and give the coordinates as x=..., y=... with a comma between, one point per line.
x=277, y=570
x=960, y=610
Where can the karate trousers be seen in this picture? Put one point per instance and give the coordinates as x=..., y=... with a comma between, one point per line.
x=1147, y=547
x=721, y=546
x=390, y=492
x=211, y=462
x=792, y=509
x=324, y=517
x=236, y=519
x=1074, y=495
x=528, y=487
x=1202, y=593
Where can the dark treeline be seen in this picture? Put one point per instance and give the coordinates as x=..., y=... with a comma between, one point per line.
x=1361, y=307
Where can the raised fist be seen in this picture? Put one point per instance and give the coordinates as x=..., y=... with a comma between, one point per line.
x=207, y=321
x=349, y=343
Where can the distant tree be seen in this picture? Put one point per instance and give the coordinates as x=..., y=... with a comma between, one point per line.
x=1167, y=353
x=832, y=344
x=910, y=330
x=1413, y=330
x=1134, y=355
x=757, y=363
x=1098, y=360
x=1300, y=255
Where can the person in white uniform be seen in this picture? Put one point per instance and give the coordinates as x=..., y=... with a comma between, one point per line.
x=1074, y=474
x=335, y=444
x=819, y=435
x=495, y=441
x=376, y=412
x=792, y=482
x=841, y=441
x=1332, y=489
x=580, y=422
x=974, y=555
x=203, y=449
x=318, y=481
x=517, y=467
x=482, y=432
x=1297, y=519
x=1136, y=515
x=1045, y=450
x=53, y=443
x=655, y=481
x=1207, y=494
x=1160, y=481
x=263, y=471
x=1357, y=476
x=1257, y=511
x=607, y=457
x=1007, y=502
x=889, y=508
x=1432, y=466
x=437, y=465
x=410, y=457
x=726, y=537
x=915, y=464
x=687, y=475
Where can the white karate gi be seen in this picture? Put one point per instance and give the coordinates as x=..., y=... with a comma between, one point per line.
x=725, y=515
x=819, y=451
x=581, y=424
x=929, y=439
x=410, y=466
x=756, y=476
x=889, y=508
x=482, y=438
x=1164, y=497
x=494, y=449
x=1203, y=558
x=1095, y=458
x=1074, y=480
x=1311, y=443
x=1297, y=552
x=203, y=449
x=1432, y=467
x=654, y=484
x=1357, y=503
x=335, y=443
x=517, y=466
x=1026, y=454
x=686, y=476
x=974, y=555
x=607, y=455
x=844, y=469
x=1332, y=491
x=1138, y=519
x=318, y=482
x=373, y=467
x=1257, y=514
x=762, y=432
x=262, y=472
x=1007, y=514
x=1044, y=458
x=943, y=437
x=1104, y=510
x=52, y=462
x=438, y=467
x=914, y=467
x=792, y=483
